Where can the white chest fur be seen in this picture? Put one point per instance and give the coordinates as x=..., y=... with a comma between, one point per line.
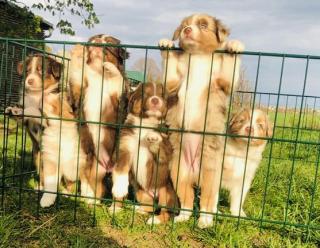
x=238, y=163
x=198, y=70
x=97, y=97
x=140, y=151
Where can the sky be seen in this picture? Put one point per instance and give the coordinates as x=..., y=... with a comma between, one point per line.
x=284, y=26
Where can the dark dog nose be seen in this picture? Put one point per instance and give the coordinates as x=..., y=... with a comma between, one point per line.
x=30, y=82
x=187, y=30
x=249, y=130
x=155, y=100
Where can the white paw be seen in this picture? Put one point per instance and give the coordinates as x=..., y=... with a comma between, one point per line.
x=236, y=213
x=111, y=69
x=205, y=221
x=181, y=218
x=14, y=110
x=166, y=43
x=90, y=201
x=115, y=209
x=109, y=66
x=154, y=137
x=120, y=186
x=140, y=210
x=47, y=200
x=235, y=46
x=154, y=220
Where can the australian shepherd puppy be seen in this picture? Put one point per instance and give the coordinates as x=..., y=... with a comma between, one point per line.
x=42, y=77
x=201, y=81
x=61, y=153
x=144, y=153
x=244, y=154
x=96, y=86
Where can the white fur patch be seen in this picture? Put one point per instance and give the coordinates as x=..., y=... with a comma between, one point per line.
x=140, y=171
x=120, y=185
x=193, y=87
x=205, y=220
x=154, y=220
x=183, y=215
x=47, y=200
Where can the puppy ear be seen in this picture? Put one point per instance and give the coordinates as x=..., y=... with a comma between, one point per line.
x=20, y=68
x=222, y=31
x=177, y=32
x=134, y=105
x=56, y=69
x=123, y=53
x=233, y=118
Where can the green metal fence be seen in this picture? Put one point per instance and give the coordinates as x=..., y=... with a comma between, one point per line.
x=285, y=191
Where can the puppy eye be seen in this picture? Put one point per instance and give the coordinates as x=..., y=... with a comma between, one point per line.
x=203, y=26
x=261, y=126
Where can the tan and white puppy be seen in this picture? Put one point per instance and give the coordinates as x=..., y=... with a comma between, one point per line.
x=201, y=81
x=139, y=150
x=42, y=77
x=96, y=86
x=244, y=154
x=62, y=156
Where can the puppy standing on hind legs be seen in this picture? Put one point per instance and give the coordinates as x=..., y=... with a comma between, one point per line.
x=193, y=75
x=99, y=70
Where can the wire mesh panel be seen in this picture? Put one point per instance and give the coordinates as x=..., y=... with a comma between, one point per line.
x=70, y=137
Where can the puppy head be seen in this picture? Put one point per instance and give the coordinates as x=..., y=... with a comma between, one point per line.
x=148, y=101
x=41, y=72
x=260, y=126
x=200, y=33
x=99, y=54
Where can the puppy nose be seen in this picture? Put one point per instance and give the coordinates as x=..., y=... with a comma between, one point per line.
x=30, y=82
x=187, y=30
x=154, y=100
x=249, y=130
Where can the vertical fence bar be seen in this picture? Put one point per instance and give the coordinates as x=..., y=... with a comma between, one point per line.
x=271, y=146
x=295, y=145
x=140, y=130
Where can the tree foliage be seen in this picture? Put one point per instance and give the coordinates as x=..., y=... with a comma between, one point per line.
x=83, y=9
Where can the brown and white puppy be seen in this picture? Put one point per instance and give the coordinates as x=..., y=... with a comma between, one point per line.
x=138, y=153
x=244, y=154
x=201, y=81
x=61, y=155
x=42, y=77
x=96, y=85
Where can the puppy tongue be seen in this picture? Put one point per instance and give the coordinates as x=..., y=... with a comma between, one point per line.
x=190, y=148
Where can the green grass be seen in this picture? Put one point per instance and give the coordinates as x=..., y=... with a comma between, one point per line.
x=70, y=224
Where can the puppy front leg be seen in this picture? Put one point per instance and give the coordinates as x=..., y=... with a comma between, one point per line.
x=230, y=63
x=50, y=183
x=209, y=184
x=183, y=184
x=120, y=178
x=170, y=59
